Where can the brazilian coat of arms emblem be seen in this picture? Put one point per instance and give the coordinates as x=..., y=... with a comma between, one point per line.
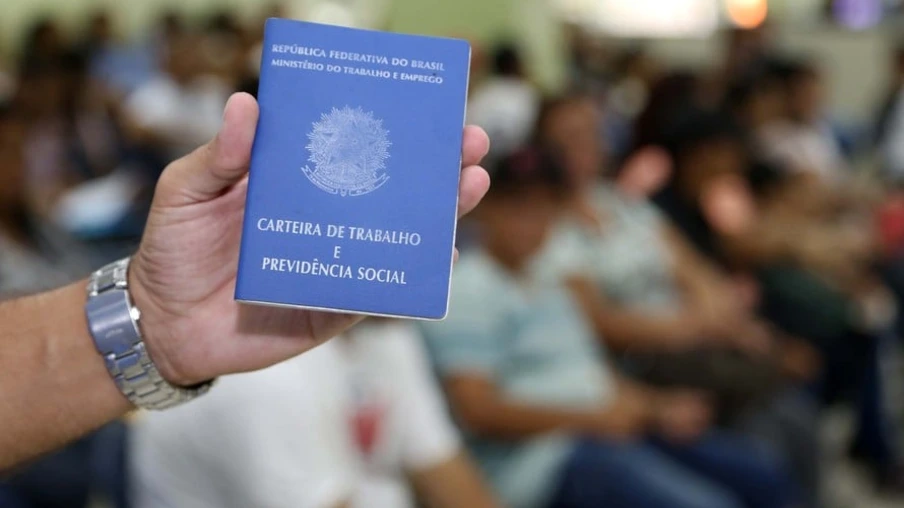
x=348, y=150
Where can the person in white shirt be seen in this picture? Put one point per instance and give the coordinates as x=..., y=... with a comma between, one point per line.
x=506, y=105
x=803, y=143
x=181, y=107
x=891, y=124
x=341, y=426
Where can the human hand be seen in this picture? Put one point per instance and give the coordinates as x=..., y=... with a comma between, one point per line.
x=799, y=360
x=718, y=310
x=875, y=305
x=681, y=415
x=625, y=418
x=826, y=255
x=754, y=338
x=183, y=276
x=714, y=329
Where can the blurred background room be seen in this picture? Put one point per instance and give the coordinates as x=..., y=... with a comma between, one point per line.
x=685, y=289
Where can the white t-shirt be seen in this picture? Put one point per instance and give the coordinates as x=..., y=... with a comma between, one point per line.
x=343, y=422
x=190, y=115
x=506, y=108
x=805, y=149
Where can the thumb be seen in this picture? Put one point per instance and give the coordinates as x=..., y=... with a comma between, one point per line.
x=213, y=168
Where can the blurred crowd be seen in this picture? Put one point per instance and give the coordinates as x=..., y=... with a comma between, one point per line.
x=675, y=275
x=90, y=119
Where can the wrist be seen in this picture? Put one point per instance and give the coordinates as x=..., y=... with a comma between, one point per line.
x=115, y=323
x=84, y=368
x=153, y=327
x=158, y=330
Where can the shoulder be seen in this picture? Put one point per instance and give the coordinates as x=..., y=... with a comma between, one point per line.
x=564, y=255
x=479, y=298
x=475, y=275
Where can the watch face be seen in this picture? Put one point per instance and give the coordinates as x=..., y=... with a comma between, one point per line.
x=113, y=324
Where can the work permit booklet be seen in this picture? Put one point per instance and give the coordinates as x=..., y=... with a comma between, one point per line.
x=353, y=189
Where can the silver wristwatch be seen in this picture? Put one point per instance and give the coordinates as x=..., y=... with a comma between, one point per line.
x=113, y=322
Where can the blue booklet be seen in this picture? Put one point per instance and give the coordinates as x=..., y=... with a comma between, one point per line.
x=353, y=187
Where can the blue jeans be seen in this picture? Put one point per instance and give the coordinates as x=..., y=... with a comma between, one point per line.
x=717, y=471
x=66, y=479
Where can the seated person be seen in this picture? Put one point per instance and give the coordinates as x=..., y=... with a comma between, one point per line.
x=549, y=420
x=781, y=109
x=801, y=139
x=676, y=317
x=657, y=292
x=179, y=109
x=813, y=277
x=73, y=143
x=341, y=426
x=890, y=124
x=34, y=255
x=730, y=206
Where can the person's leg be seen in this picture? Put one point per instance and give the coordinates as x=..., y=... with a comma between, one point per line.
x=634, y=475
x=750, y=469
x=9, y=498
x=59, y=480
x=732, y=379
x=891, y=272
x=790, y=423
x=877, y=441
x=109, y=464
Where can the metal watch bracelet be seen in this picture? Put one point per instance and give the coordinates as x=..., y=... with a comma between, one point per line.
x=114, y=324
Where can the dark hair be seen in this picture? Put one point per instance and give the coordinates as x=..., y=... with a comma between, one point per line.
x=526, y=169
x=507, y=60
x=628, y=58
x=670, y=98
x=171, y=22
x=697, y=128
x=745, y=88
x=38, y=30
x=223, y=23
x=791, y=70
x=6, y=111
x=34, y=49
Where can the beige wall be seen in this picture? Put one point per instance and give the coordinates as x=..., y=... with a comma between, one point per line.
x=856, y=64
x=529, y=21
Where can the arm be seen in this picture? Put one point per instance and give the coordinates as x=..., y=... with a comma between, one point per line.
x=431, y=451
x=780, y=238
x=54, y=386
x=701, y=281
x=483, y=410
x=455, y=483
x=723, y=312
x=623, y=328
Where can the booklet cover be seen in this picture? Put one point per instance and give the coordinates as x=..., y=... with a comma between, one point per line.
x=353, y=186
